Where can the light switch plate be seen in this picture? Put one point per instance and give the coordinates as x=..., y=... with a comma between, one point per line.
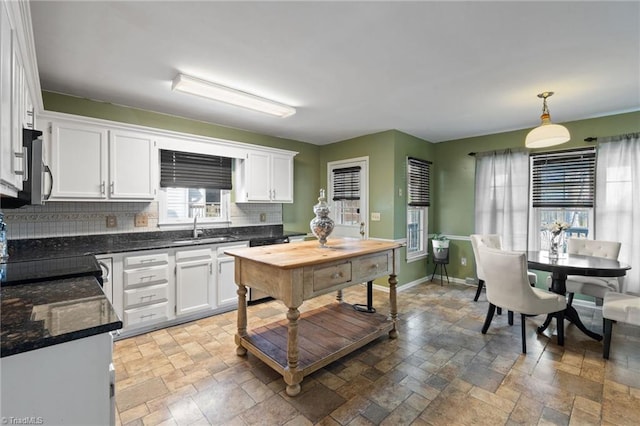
x=112, y=221
x=375, y=216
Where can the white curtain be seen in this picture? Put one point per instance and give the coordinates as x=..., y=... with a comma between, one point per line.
x=502, y=197
x=618, y=201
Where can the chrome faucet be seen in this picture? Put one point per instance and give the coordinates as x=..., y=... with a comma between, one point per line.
x=196, y=232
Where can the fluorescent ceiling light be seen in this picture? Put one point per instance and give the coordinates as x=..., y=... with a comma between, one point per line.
x=547, y=133
x=206, y=89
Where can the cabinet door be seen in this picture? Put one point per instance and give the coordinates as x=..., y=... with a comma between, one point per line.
x=258, y=185
x=282, y=178
x=193, y=287
x=131, y=166
x=78, y=161
x=227, y=289
x=6, y=79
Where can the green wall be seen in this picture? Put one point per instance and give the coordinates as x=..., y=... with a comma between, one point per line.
x=454, y=180
x=387, y=152
x=296, y=216
x=452, y=173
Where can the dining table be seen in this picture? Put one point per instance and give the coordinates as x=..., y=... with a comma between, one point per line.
x=573, y=264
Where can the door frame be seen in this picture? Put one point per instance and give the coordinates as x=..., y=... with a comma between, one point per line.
x=364, y=187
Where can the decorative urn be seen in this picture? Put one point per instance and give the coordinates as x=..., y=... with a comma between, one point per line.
x=321, y=225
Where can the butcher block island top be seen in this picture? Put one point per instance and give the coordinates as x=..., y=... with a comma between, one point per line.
x=292, y=273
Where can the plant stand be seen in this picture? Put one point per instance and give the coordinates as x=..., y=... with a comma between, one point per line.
x=441, y=258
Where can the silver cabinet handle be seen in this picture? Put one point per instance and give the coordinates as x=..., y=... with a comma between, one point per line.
x=102, y=188
x=336, y=275
x=111, y=188
x=24, y=155
x=48, y=170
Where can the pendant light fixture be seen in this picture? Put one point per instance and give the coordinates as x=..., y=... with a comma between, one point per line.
x=547, y=133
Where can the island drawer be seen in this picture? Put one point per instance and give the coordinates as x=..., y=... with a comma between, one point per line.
x=373, y=266
x=146, y=276
x=151, y=313
x=329, y=276
x=146, y=295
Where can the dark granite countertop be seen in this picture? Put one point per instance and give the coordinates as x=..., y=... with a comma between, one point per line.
x=40, y=248
x=37, y=315
x=56, y=305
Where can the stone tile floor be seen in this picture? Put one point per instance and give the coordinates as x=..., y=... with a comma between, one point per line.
x=440, y=371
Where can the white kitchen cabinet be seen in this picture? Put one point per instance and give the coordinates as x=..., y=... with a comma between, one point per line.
x=78, y=161
x=147, y=296
x=226, y=283
x=6, y=81
x=16, y=105
x=69, y=383
x=91, y=162
x=265, y=177
x=195, y=287
x=132, y=166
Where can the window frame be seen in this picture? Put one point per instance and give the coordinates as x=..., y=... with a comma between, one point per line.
x=418, y=175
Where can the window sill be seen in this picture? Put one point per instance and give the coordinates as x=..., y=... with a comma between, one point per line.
x=417, y=257
x=202, y=224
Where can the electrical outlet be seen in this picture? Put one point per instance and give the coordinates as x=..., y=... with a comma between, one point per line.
x=263, y=217
x=141, y=219
x=375, y=216
x=112, y=221
x=463, y=261
x=399, y=192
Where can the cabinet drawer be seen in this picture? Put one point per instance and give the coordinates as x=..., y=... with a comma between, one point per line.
x=146, y=295
x=146, y=260
x=190, y=255
x=329, y=276
x=146, y=276
x=220, y=250
x=152, y=313
x=376, y=265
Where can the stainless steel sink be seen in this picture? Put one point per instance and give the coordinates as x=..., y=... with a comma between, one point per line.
x=205, y=240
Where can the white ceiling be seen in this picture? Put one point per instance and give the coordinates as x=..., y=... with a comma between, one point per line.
x=436, y=70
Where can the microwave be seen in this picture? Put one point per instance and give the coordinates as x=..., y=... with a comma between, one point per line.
x=33, y=175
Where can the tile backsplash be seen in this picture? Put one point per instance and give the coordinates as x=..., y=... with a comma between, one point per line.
x=62, y=219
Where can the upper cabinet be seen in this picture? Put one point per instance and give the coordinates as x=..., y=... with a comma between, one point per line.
x=265, y=177
x=91, y=162
x=16, y=94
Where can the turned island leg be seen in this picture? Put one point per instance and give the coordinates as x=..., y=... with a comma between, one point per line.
x=242, y=319
x=292, y=376
x=393, y=305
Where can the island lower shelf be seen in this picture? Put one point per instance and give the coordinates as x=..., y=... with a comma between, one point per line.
x=325, y=335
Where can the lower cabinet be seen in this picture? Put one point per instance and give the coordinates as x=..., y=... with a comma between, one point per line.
x=156, y=288
x=70, y=383
x=146, y=294
x=227, y=288
x=194, y=278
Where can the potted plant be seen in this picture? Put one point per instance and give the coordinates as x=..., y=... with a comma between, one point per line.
x=440, y=244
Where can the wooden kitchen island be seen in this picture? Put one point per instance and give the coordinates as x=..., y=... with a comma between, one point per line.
x=292, y=273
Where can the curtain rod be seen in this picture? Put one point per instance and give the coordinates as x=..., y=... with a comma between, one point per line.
x=624, y=135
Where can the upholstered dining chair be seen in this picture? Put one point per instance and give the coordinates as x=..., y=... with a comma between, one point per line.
x=592, y=286
x=494, y=241
x=508, y=286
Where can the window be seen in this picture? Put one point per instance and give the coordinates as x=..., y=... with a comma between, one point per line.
x=346, y=195
x=563, y=189
x=194, y=185
x=418, y=200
